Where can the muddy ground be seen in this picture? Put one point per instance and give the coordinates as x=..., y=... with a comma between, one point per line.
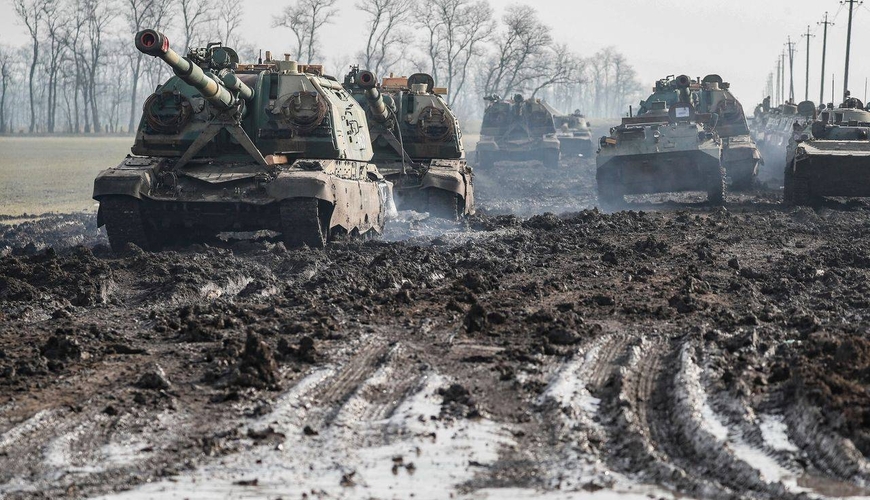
x=672, y=350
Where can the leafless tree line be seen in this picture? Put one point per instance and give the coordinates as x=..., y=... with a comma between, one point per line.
x=79, y=73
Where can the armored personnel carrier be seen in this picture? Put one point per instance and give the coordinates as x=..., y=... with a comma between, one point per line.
x=228, y=147
x=830, y=157
x=417, y=142
x=573, y=132
x=518, y=130
x=667, y=148
x=740, y=155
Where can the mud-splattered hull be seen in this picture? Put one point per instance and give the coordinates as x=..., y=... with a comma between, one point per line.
x=659, y=172
x=420, y=187
x=828, y=168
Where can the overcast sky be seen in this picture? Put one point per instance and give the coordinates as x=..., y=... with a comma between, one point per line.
x=740, y=39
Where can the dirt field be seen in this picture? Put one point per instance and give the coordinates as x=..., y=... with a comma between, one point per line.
x=668, y=351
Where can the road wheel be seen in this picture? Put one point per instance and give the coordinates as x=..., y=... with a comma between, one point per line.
x=304, y=222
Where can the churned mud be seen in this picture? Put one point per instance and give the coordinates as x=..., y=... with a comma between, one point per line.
x=671, y=350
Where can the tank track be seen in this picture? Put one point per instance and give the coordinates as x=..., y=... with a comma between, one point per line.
x=302, y=224
x=716, y=189
x=797, y=191
x=550, y=158
x=443, y=204
x=124, y=223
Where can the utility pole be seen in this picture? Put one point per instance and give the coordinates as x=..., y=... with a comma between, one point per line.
x=791, y=69
x=778, y=81
x=848, y=44
x=826, y=23
x=808, y=35
x=782, y=77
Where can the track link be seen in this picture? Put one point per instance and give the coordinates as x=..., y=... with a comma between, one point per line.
x=302, y=223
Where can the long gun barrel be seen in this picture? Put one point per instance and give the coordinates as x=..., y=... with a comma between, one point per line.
x=154, y=43
x=379, y=110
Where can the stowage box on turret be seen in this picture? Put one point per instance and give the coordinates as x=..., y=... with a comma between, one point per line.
x=417, y=142
x=229, y=147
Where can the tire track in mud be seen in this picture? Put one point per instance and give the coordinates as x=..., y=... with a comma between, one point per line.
x=368, y=424
x=63, y=449
x=661, y=429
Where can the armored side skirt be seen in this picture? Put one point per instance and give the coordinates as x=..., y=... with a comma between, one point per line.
x=815, y=175
x=212, y=199
x=659, y=172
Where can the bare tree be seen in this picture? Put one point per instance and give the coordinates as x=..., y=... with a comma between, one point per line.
x=456, y=31
x=387, y=21
x=194, y=13
x=55, y=21
x=30, y=13
x=5, y=79
x=141, y=14
x=520, y=55
x=228, y=21
x=560, y=65
x=99, y=15
x=305, y=18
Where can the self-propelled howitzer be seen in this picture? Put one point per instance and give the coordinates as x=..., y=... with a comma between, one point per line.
x=224, y=146
x=417, y=142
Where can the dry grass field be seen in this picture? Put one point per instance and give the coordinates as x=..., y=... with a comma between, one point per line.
x=54, y=174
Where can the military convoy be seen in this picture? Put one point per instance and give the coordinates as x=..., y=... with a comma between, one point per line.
x=417, y=142
x=517, y=130
x=667, y=147
x=829, y=156
x=229, y=147
x=275, y=145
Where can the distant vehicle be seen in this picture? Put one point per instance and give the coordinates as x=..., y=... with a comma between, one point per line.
x=517, y=130
x=830, y=156
x=667, y=148
x=417, y=142
x=740, y=155
x=224, y=146
x=574, y=133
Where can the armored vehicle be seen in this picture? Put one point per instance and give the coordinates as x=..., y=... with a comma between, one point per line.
x=518, y=130
x=417, y=142
x=228, y=147
x=740, y=155
x=573, y=132
x=773, y=130
x=667, y=148
x=830, y=157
